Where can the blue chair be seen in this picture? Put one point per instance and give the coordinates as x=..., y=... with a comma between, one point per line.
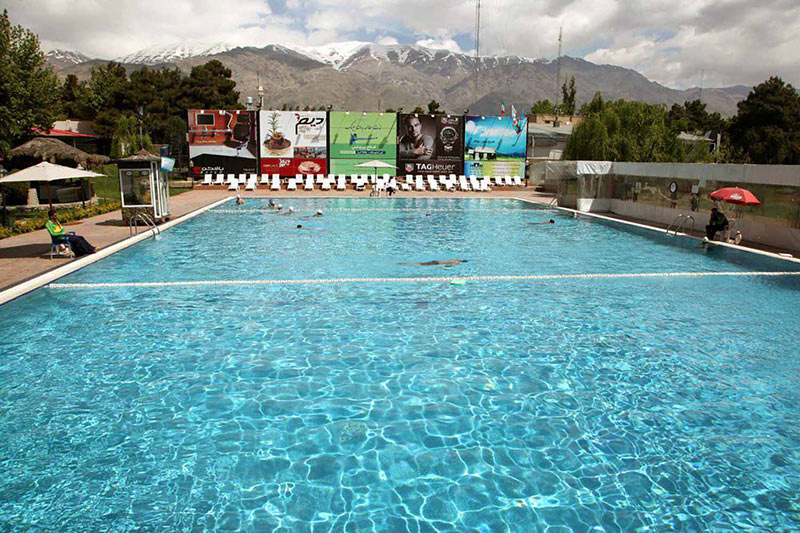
x=60, y=240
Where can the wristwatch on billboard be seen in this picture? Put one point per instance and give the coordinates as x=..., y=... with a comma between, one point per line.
x=448, y=135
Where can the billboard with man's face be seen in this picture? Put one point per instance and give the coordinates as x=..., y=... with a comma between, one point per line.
x=222, y=142
x=495, y=146
x=430, y=144
x=293, y=142
x=363, y=135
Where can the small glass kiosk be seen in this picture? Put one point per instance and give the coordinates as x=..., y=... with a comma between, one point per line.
x=143, y=189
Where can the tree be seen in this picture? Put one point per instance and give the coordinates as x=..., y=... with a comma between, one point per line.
x=626, y=131
x=767, y=127
x=567, y=106
x=28, y=89
x=433, y=107
x=127, y=140
x=595, y=106
x=107, y=97
x=74, y=96
x=692, y=117
x=542, y=107
x=209, y=86
x=418, y=110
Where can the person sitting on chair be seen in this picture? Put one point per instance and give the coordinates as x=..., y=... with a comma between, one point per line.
x=79, y=245
x=717, y=222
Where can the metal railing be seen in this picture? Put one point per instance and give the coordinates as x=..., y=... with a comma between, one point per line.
x=679, y=224
x=144, y=217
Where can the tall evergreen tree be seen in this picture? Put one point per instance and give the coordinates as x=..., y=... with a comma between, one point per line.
x=568, y=97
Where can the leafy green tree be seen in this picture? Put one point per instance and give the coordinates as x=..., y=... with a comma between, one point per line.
x=542, y=107
x=209, y=86
x=28, y=89
x=418, y=110
x=595, y=106
x=156, y=94
x=108, y=85
x=692, y=117
x=127, y=139
x=626, y=131
x=74, y=96
x=433, y=107
x=567, y=106
x=766, y=129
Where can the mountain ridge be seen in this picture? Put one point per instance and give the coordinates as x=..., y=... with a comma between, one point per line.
x=358, y=75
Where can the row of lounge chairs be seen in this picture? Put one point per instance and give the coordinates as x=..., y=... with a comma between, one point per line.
x=360, y=181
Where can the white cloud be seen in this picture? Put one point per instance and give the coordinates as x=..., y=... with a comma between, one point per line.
x=670, y=41
x=384, y=39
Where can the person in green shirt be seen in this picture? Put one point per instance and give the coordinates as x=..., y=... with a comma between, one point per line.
x=717, y=222
x=79, y=245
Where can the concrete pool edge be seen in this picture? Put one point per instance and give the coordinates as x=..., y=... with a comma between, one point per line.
x=22, y=288
x=660, y=230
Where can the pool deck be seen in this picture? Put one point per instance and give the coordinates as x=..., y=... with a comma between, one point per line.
x=26, y=256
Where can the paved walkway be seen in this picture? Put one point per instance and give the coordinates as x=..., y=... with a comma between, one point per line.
x=25, y=256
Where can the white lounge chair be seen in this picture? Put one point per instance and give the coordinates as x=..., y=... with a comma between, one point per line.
x=264, y=179
x=432, y=183
x=326, y=184
x=291, y=184
x=234, y=185
x=485, y=184
x=508, y=181
x=407, y=185
x=220, y=179
x=462, y=181
x=341, y=183
x=207, y=179
x=251, y=184
x=276, y=183
x=420, y=184
x=517, y=181
x=242, y=179
x=474, y=184
x=309, y=183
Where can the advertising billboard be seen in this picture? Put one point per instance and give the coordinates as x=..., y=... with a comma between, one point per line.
x=430, y=144
x=495, y=146
x=348, y=167
x=293, y=142
x=222, y=142
x=363, y=135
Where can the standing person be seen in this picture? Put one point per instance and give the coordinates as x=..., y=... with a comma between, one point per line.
x=717, y=222
x=415, y=145
x=79, y=245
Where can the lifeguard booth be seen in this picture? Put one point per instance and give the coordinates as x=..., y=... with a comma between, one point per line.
x=144, y=191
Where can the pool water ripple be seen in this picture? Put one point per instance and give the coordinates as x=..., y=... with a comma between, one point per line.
x=581, y=404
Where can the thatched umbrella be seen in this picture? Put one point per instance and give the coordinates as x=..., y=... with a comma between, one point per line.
x=141, y=155
x=53, y=150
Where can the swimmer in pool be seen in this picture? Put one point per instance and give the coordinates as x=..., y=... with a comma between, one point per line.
x=315, y=215
x=446, y=262
x=239, y=200
x=551, y=221
x=300, y=226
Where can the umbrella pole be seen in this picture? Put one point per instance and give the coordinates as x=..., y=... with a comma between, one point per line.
x=49, y=195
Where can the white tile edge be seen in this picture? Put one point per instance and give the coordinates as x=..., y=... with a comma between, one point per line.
x=659, y=230
x=48, y=277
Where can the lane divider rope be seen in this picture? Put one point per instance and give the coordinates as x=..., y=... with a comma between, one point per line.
x=359, y=209
x=319, y=281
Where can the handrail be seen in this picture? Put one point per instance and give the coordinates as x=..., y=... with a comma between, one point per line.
x=679, y=223
x=144, y=217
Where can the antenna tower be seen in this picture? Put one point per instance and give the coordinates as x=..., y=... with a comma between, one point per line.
x=702, y=80
x=477, y=45
x=558, y=72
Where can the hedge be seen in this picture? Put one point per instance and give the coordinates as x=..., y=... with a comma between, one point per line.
x=28, y=224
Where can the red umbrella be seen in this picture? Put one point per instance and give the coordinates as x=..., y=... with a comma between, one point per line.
x=735, y=195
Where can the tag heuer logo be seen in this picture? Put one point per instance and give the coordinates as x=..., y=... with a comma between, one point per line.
x=409, y=167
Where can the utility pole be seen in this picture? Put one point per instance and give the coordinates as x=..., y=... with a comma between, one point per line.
x=702, y=80
x=558, y=72
x=477, y=45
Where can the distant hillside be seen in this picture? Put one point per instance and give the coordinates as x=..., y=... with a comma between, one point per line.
x=366, y=76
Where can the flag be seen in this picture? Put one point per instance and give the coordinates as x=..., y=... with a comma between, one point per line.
x=502, y=109
x=513, y=112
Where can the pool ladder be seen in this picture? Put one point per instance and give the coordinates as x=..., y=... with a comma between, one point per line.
x=680, y=223
x=151, y=225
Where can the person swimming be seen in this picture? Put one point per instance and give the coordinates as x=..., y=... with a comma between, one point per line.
x=271, y=203
x=446, y=262
x=239, y=200
x=315, y=215
x=551, y=221
x=300, y=226
x=289, y=211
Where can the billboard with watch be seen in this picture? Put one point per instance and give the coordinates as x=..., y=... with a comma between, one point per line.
x=430, y=144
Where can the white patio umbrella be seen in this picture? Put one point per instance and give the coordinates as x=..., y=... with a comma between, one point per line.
x=376, y=164
x=48, y=172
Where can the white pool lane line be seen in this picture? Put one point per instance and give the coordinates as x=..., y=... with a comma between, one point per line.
x=48, y=277
x=438, y=279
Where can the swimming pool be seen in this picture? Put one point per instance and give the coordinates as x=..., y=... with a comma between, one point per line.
x=501, y=404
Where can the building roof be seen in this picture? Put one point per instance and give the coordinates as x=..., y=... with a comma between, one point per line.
x=545, y=129
x=51, y=149
x=62, y=133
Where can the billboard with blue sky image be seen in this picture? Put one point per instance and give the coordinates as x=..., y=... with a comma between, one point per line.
x=495, y=146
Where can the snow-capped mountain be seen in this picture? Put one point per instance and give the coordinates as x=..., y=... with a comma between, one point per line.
x=155, y=55
x=66, y=57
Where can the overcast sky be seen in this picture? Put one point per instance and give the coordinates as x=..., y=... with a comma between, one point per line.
x=669, y=41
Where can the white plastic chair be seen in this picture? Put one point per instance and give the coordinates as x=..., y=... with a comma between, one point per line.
x=309, y=183
x=508, y=181
x=264, y=179
x=220, y=179
x=517, y=181
x=207, y=179
x=291, y=185
x=432, y=183
x=251, y=184
x=341, y=183
x=242, y=179
x=498, y=180
x=462, y=181
x=473, y=183
x=276, y=183
x=420, y=184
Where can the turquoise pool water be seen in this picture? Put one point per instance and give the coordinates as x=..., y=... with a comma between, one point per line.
x=560, y=404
